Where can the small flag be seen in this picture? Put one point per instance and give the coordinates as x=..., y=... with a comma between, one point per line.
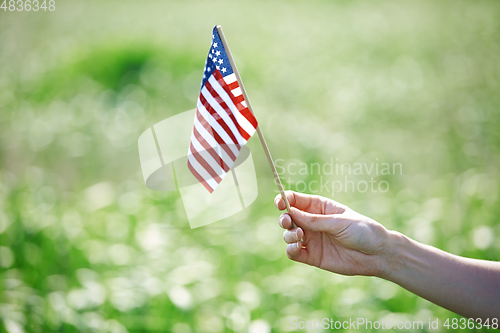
x=222, y=123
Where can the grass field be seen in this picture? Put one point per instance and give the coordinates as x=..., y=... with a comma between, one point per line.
x=86, y=247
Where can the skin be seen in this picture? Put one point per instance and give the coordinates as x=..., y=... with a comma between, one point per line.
x=335, y=238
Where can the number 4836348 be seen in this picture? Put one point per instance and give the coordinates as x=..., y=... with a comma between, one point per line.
x=28, y=5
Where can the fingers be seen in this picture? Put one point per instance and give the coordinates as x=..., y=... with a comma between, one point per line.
x=310, y=203
x=285, y=221
x=314, y=222
x=279, y=202
x=293, y=250
x=299, y=200
x=317, y=222
x=293, y=235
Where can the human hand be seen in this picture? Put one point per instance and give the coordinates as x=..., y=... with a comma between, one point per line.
x=334, y=237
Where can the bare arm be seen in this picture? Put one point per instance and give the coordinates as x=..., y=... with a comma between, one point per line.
x=338, y=239
x=468, y=287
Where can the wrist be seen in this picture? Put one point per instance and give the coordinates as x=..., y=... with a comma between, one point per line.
x=390, y=261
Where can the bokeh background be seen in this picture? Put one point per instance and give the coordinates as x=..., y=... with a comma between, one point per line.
x=86, y=247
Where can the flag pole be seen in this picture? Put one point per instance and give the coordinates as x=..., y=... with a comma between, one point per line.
x=259, y=132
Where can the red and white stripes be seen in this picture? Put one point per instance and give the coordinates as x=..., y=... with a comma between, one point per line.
x=222, y=124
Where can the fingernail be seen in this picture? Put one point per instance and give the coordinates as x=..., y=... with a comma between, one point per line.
x=297, y=245
x=281, y=221
x=297, y=234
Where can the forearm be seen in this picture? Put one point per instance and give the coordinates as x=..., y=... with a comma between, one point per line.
x=465, y=286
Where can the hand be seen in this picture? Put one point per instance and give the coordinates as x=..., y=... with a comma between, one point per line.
x=334, y=237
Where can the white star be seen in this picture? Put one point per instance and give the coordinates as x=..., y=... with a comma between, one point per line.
x=214, y=59
x=213, y=51
x=204, y=76
x=215, y=44
x=223, y=70
x=210, y=55
x=217, y=53
x=217, y=67
x=221, y=61
x=213, y=36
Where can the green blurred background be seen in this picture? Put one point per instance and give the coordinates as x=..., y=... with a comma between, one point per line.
x=86, y=247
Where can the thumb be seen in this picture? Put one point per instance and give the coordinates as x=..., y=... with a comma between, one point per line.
x=317, y=222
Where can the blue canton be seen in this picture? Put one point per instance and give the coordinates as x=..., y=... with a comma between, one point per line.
x=217, y=59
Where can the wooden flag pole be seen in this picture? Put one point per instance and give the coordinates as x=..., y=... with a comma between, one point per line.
x=259, y=132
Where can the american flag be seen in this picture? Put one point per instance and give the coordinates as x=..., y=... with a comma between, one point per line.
x=222, y=124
